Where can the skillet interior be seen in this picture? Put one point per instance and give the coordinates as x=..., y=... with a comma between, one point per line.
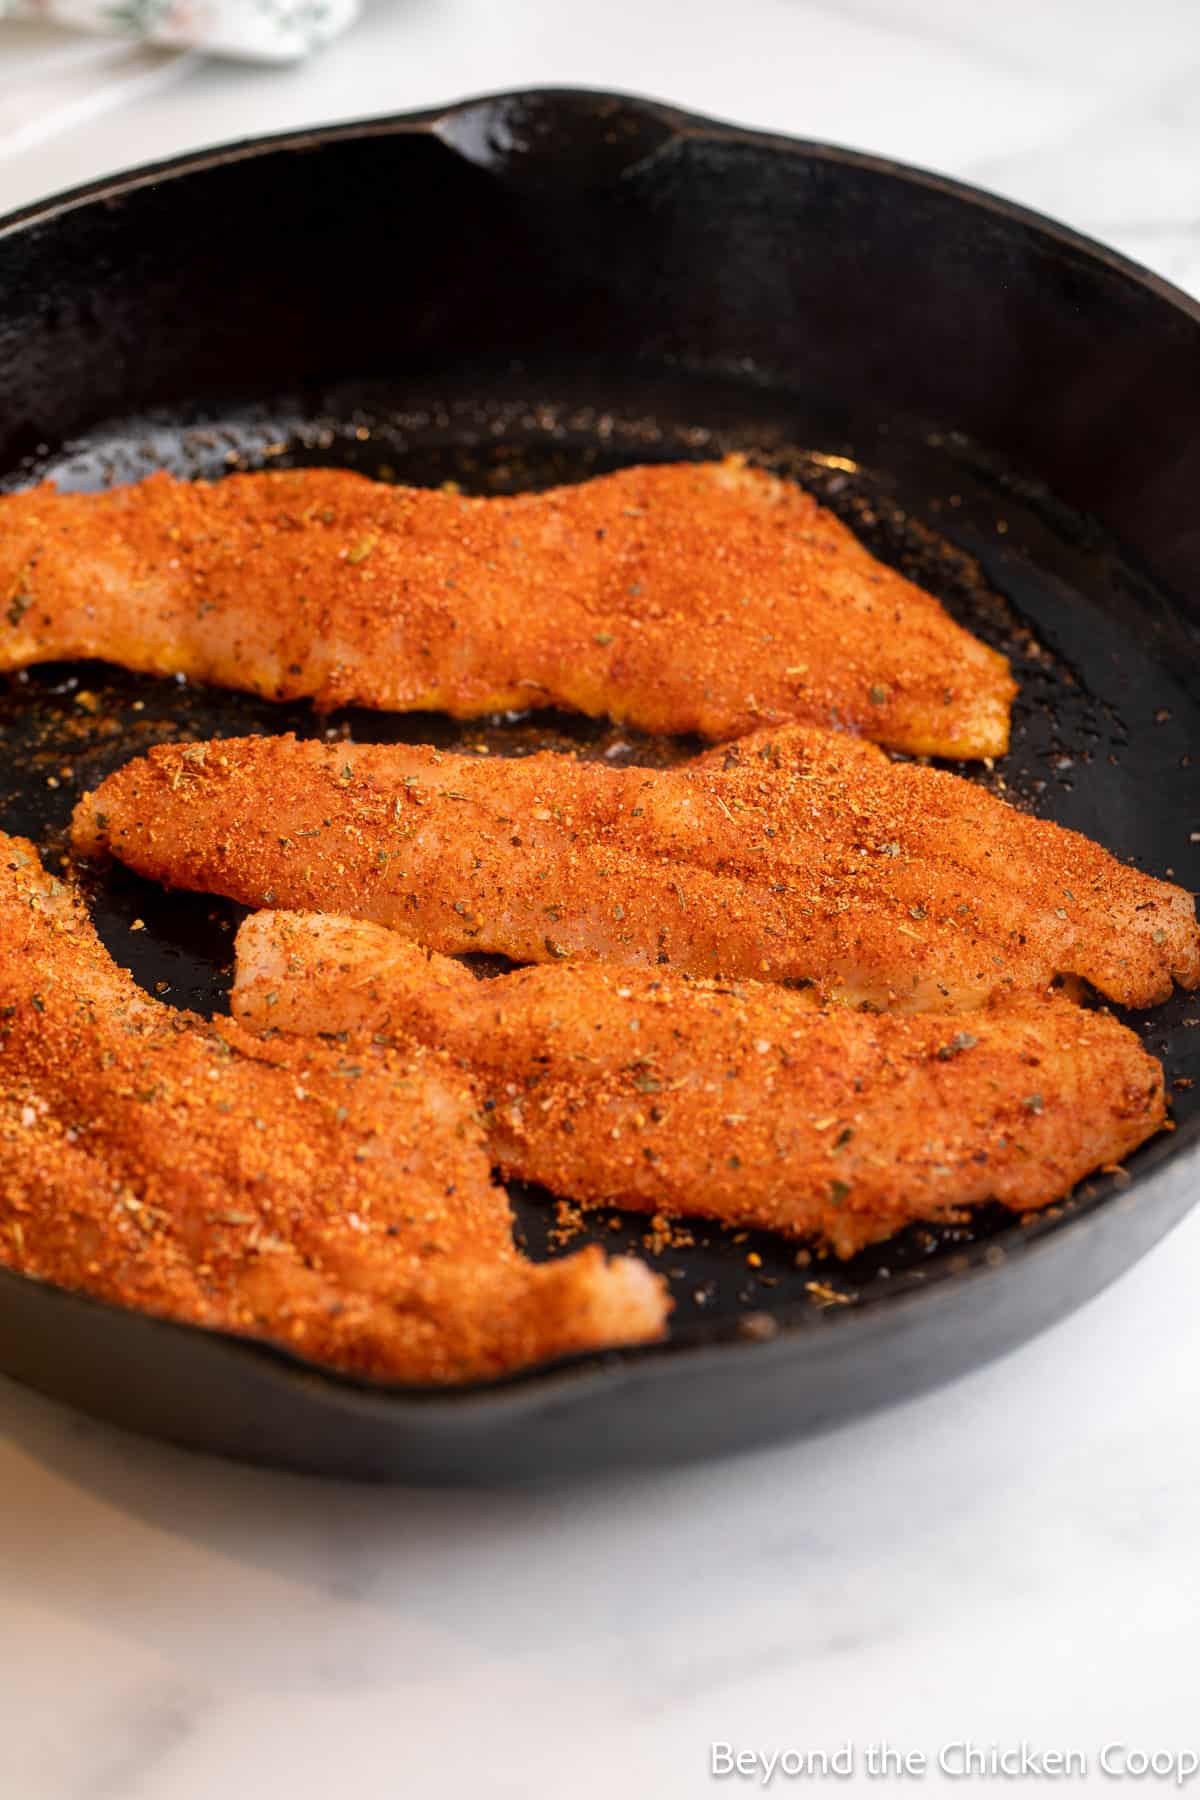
x=1109, y=702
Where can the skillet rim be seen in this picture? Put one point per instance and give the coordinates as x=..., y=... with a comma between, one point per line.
x=433, y=121
x=542, y=1385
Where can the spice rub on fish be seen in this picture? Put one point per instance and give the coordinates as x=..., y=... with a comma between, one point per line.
x=796, y=855
x=735, y=1102
x=709, y=598
x=336, y=1200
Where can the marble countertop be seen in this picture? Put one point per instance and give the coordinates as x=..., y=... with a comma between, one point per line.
x=1014, y=1558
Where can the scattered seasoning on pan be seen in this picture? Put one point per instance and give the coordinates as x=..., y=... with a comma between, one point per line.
x=822, y=1294
x=757, y=1327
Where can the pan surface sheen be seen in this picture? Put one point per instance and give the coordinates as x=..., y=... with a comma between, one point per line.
x=536, y=288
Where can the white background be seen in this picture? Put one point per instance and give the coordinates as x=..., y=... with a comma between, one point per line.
x=1015, y=1557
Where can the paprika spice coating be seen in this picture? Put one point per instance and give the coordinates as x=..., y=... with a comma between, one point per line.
x=710, y=598
x=336, y=1200
x=795, y=855
x=736, y=1102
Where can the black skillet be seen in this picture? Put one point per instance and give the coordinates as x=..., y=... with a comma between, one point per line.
x=528, y=289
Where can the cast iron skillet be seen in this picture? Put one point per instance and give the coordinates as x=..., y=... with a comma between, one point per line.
x=533, y=287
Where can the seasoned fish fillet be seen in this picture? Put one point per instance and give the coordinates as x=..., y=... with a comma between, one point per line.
x=707, y=598
x=796, y=855
x=741, y=1103
x=336, y=1200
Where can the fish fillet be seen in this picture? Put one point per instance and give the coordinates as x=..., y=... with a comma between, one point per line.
x=708, y=598
x=741, y=1103
x=796, y=855
x=337, y=1200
